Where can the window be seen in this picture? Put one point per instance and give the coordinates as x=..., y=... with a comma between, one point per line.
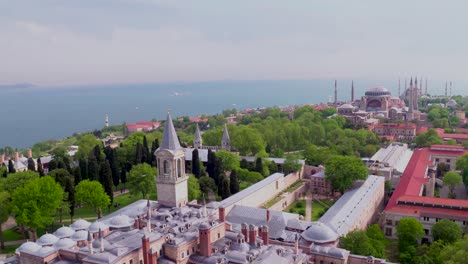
x=426, y=219
x=388, y=231
x=179, y=168
x=188, y=252
x=183, y=255
x=389, y=222
x=131, y=261
x=448, y=160
x=166, y=167
x=219, y=235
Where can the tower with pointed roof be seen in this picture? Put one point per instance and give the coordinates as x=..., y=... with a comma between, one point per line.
x=197, y=141
x=226, y=140
x=410, y=100
x=171, y=183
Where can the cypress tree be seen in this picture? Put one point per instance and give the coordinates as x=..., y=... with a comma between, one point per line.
x=114, y=167
x=77, y=175
x=123, y=174
x=234, y=182
x=145, y=152
x=196, y=164
x=40, y=168
x=31, y=165
x=259, y=165
x=4, y=171
x=97, y=153
x=244, y=164
x=11, y=167
x=53, y=165
x=105, y=178
x=93, y=167
x=70, y=189
x=138, y=153
x=83, y=164
x=218, y=174
x=224, y=190
x=210, y=165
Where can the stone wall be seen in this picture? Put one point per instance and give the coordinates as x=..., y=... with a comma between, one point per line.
x=289, y=198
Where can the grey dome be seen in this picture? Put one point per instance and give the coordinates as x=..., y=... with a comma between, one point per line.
x=319, y=233
x=346, y=106
x=81, y=235
x=377, y=91
x=80, y=224
x=204, y=226
x=28, y=246
x=65, y=243
x=64, y=231
x=45, y=250
x=121, y=221
x=94, y=227
x=47, y=240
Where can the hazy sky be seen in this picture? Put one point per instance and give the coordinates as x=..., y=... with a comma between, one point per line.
x=124, y=41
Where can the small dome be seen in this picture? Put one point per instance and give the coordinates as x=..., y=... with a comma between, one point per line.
x=97, y=243
x=64, y=243
x=451, y=103
x=94, y=227
x=204, y=226
x=28, y=246
x=338, y=252
x=319, y=233
x=64, y=231
x=81, y=235
x=121, y=221
x=45, y=250
x=346, y=106
x=80, y=224
x=47, y=240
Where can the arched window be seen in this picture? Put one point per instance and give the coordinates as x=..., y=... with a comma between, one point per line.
x=166, y=167
x=179, y=168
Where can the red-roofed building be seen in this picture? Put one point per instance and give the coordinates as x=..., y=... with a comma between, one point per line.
x=413, y=196
x=144, y=126
x=395, y=130
x=460, y=137
x=198, y=119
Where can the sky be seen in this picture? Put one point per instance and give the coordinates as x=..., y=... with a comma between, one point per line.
x=69, y=42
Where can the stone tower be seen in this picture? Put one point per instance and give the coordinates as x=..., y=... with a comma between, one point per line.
x=172, y=180
x=226, y=141
x=197, y=141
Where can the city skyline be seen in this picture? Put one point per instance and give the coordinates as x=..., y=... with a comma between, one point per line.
x=102, y=42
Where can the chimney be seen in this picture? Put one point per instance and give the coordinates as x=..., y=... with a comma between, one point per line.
x=145, y=245
x=153, y=256
x=101, y=240
x=137, y=223
x=244, y=231
x=29, y=155
x=16, y=156
x=296, y=245
x=268, y=215
x=205, y=240
x=264, y=234
x=252, y=234
x=222, y=214
x=90, y=243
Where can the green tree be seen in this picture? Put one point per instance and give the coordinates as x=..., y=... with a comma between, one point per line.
x=442, y=168
x=428, y=138
x=83, y=164
x=91, y=194
x=19, y=179
x=224, y=190
x=247, y=140
x=207, y=185
x=11, y=167
x=259, y=165
x=196, y=170
x=358, y=243
x=291, y=164
x=194, y=191
x=34, y=204
x=105, y=178
x=452, y=179
x=227, y=161
x=60, y=176
x=93, y=167
x=409, y=231
x=86, y=144
x=234, y=182
x=342, y=171
x=141, y=179
x=77, y=175
x=456, y=253
x=5, y=211
x=40, y=168
x=3, y=171
x=447, y=231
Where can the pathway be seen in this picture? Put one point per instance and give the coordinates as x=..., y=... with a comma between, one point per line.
x=308, y=216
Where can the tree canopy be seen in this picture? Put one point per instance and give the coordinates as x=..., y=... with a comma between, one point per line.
x=428, y=138
x=86, y=143
x=5, y=211
x=19, y=179
x=194, y=191
x=35, y=203
x=447, y=231
x=343, y=171
x=452, y=179
x=409, y=231
x=141, y=179
x=91, y=193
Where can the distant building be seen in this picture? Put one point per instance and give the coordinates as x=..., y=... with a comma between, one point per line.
x=315, y=180
x=142, y=126
x=395, y=131
x=390, y=162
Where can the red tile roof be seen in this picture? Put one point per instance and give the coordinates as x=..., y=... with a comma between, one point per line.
x=411, y=184
x=442, y=134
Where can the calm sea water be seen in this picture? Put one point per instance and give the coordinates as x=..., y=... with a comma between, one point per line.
x=30, y=115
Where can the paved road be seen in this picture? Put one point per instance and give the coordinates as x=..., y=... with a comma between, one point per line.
x=308, y=216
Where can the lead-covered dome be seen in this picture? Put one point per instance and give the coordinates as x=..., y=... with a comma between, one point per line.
x=377, y=91
x=64, y=231
x=81, y=235
x=94, y=227
x=47, y=240
x=64, y=243
x=319, y=233
x=80, y=224
x=28, y=246
x=121, y=221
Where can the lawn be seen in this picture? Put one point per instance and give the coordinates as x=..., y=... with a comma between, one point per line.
x=298, y=207
x=317, y=210
x=11, y=235
x=9, y=250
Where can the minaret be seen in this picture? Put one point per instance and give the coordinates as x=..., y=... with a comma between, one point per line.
x=420, y=87
x=352, y=91
x=101, y=241
x=450, y=89
x=171, y=182
x=107, y=120
x=399, y=87
x=445, y=88
x=336, y=95
x=410, y=100
x=197, y=141
x=90, y=243
x=226, y=141
x=415, y=94
x=426, y=88
x=148, y=216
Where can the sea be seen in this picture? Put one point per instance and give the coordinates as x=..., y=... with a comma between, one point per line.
x=30, y=114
